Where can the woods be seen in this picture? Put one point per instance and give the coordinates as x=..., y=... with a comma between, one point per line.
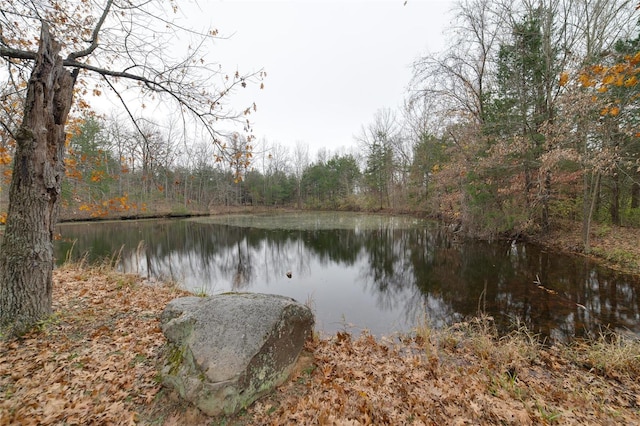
x=525, y=121
x=512, y=105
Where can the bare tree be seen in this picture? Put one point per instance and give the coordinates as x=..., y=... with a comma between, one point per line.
x=459, y=80
x=279, y=159
x=378, y=141
x=300, y=164
x=84, y=48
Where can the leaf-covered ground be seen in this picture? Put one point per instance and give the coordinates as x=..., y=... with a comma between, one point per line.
x=95, y=362
x=463, y=376
x=614, y=246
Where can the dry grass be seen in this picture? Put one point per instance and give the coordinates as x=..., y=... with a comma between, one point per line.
x=614, y=356
x=462, y=375
x=95, y=362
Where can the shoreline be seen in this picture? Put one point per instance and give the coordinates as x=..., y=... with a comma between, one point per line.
x=96, y=360
x=613, y=247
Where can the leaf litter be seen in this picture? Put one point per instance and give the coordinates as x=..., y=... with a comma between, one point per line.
x=95, y=361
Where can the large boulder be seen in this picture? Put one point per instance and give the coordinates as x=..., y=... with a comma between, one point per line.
x=228, y=350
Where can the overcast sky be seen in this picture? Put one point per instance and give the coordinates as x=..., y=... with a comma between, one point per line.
x=330, y=65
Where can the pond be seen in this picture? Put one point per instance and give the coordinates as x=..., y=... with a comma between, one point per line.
x=358, y=271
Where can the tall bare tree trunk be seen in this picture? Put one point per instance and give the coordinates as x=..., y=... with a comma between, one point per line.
x=635, y=193
x=591, y=192
x=546, y=197
x=26, y=255
x=614, y=206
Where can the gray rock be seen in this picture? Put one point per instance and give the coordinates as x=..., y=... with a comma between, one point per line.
x=228, y=350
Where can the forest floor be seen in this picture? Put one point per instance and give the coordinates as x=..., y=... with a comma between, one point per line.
x=614, y=246
x=96, y=361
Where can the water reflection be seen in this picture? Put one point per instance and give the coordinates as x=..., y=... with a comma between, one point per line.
x=382, y=274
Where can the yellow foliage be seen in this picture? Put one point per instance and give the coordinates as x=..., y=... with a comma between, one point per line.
x=613, y=111
x=73, y=174
x=5, y=158
x=96, y=176
x=619, y=68
x=564, y=78
x=585, y=80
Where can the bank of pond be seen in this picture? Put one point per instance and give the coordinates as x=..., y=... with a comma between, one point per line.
x=385, y=274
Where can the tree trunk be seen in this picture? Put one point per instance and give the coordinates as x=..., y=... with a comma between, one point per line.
x=527, y=185
x=26, y=255
x=635, y=195
x=589, y=202
x=614, y=206
x=546, y=223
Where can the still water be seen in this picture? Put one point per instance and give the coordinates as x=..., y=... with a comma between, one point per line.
x=382, y=274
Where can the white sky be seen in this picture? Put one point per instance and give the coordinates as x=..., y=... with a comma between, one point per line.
x=330, y=65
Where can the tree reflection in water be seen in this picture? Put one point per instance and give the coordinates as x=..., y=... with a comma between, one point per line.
x=379, y=273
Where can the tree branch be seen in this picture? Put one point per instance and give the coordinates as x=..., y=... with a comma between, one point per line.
x=126, y=108
x=94, y=35
x=8, y=52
